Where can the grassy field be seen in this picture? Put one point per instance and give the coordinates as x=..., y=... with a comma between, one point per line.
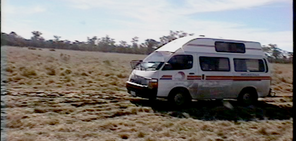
x=73, y=95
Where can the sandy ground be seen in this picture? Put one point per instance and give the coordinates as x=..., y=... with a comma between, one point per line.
x=73, y=95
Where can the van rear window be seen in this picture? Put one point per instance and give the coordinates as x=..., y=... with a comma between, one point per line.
x=251, y=65
x=230, y=47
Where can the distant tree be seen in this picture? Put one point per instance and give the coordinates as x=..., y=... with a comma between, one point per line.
x=67, y=44
x=151, y=44
x=57, y=38
x=276, y=53
x=37, y=40
x=92, y=43
x=173, y=35
x=36, y=35
x=15, y=40
x=135, y=46
x=123, y=44
x=56, y=43
x=106, y=44
x=135, y=41
x=12, y=33
x=266, y=49
x=290, y=54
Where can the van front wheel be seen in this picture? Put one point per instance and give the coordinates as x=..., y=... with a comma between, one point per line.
x=179, y=98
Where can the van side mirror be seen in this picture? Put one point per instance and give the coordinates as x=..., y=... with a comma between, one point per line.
x=167, y=66
x=135, y=63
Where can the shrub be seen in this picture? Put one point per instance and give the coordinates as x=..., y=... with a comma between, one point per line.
x=50, y=71
x=84, y=74
x=65, y=57
x=141, y=134
x=67, y=71
x=107, y=62
x=122, y=75
x=124, y=136
x=28, y=72
x=16, y=78
x=32, y=48
x=9, y=69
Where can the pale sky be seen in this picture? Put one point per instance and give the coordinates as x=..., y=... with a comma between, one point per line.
x=265, y=21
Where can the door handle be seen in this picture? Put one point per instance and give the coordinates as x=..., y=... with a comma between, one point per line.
x=202, y=76
x=191, y=73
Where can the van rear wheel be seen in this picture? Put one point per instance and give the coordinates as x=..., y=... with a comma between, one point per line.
x=248, y=98
x=179, y=98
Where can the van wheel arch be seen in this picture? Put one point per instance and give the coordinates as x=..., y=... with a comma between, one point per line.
x=181, y=91
x=248, y=96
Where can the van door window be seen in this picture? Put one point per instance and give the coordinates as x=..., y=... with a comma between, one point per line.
x=251, y=65
x=214, y=63
x=179, y=62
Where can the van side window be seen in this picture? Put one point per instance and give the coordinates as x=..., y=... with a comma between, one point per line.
x=230, y=47
x=245, y=65
x=179, y=62
x=214, y=64
x=266, y=66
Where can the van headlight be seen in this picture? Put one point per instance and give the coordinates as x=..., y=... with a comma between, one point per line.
x=144, y=81
x=139, y=80
x=153, y=83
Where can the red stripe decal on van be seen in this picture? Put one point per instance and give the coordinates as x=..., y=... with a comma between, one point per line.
x=234, y=78
x=251, y=77
x=218, y=77
x=166, y=77
x=193, y=77
x=239, y=78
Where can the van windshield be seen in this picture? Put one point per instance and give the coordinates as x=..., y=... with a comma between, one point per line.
x=154, y=61
x=149, y=66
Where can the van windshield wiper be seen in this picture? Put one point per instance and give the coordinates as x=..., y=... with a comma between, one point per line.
x=149, y=65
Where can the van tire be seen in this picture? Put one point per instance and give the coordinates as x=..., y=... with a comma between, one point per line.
x=248, y=97
x=152, y=98
x=179, y=98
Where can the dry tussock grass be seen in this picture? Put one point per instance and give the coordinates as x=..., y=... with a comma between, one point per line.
x=71, y=95
x=282, y=78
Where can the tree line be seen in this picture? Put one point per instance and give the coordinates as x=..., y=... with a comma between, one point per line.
x=108, y=44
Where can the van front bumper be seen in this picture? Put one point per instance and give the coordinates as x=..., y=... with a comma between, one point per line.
x=140, y=90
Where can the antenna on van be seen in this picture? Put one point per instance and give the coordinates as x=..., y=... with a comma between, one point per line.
x=201, y=35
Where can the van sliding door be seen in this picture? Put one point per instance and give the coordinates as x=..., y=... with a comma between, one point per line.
x=216, y=78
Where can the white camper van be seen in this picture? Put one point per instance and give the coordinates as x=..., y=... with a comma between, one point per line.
x=202, y=68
